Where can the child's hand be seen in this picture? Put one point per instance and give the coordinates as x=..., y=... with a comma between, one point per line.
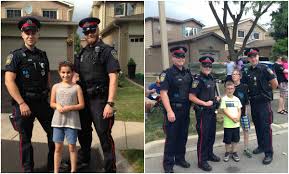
x=65, y=109
x=59, y=108
x=236, y=120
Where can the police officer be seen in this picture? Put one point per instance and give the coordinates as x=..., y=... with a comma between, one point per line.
x=98, y=68
x=203, y=94
x=27, y=80
x=260, y=80
x=175, y=86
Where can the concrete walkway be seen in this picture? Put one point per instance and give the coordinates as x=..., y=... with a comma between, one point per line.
x=154, y=155
x=127, y=135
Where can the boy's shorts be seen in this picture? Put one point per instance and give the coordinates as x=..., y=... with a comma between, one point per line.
x=245, y=122
x=231, y=135
x=69, y=133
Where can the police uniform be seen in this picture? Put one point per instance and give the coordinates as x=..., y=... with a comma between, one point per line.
x=260, y=95
x=93, y=65
x=204, y=88
x=31, y=68
x=177, y=82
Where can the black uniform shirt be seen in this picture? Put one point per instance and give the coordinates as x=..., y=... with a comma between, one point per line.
x=108, y=55
x=170, y=82
x=204, y=87
x=257, y=79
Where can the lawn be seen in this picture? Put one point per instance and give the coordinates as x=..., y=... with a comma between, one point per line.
x=135, y=159
x=129, y=102
x=154, y=123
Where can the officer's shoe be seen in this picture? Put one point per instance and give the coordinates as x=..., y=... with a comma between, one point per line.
x=169, y=170
x=82, y=165
x=268, y=159
x=183, y=164
x=258, y=150
x=215, y=158
x=205, y=166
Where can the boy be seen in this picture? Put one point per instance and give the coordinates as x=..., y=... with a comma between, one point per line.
x=242, y=93
x=231, y=106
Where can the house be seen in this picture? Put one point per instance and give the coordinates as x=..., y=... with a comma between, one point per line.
x=259, y=35
x=56, y=33
x=187, y=33
x=122, y=27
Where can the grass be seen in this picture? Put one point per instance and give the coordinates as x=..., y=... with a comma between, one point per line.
x=129, y=102
x=154, y=123
x=135, y=159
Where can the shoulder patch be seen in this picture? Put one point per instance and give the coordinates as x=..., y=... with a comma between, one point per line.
x=270, y=71
x=162, y=76
x=114, y=53
x=195, y=83
x=9, y=59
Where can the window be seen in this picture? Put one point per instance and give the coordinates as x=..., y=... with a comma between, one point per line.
x=52, y=14
x=136, y=39
x=189, y=31
x=13, y=13
x=256, y=36
x=119, y=9
x=241, y=33
x=124, y=9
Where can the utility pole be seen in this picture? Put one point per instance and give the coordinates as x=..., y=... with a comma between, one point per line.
x=164, y=38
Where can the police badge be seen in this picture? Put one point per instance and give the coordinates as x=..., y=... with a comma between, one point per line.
x=114, y=53
x=162, y=77
x=9, y=59
x=195, y=83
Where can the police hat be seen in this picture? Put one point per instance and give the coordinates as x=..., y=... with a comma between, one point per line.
x=178, y=51
x=89, y=23
x=206, y=59
x=29, y=23
x=249, y=52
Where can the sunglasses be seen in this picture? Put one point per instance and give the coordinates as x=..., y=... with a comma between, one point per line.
x=207, y=66
x=89, y=31
x=30, y=32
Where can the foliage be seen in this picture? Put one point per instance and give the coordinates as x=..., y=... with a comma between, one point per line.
x=77, y=46
x=258, y=8
x=278, y=17
x=281, y=47
x=135, y=158
x=131, y=62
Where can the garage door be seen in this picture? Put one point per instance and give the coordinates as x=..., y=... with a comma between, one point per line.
x=136, y=51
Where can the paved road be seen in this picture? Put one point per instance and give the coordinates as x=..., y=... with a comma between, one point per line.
x=246, y=165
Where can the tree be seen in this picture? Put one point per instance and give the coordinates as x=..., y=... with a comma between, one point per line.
x=280, y=29
x=77, y=46
x=258, y=8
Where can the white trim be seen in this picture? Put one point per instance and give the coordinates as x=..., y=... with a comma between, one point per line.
x=67, y=3
x=124, y=12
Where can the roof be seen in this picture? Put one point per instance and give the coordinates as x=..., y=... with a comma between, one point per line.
x=118, y=20
x=43, y=20
x=67, y=3
x=230, y=24
x=191, y=39
x=176, y=20
x=261, y=43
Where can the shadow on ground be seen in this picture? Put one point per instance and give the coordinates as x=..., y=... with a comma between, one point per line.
x=10, y=162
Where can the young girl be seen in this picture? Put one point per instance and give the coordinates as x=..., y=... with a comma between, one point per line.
x=66, y=99
x=241, y=92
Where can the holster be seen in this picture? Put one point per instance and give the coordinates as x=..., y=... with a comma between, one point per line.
x=36, y=96
x=96, y=90
x=13, y=122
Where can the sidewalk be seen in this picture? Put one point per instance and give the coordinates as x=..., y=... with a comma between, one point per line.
x=127, y=135
x=154, y=155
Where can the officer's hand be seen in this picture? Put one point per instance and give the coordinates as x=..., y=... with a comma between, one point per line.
x=218, y=98
x=75, y=77
x=209, y=103
x=171, y=117
x=153, y=90
x=59, y=108
x=107, y=112
x=24, y=109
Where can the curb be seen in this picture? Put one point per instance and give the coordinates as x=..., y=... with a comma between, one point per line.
x=218, y=134
x=131, y=81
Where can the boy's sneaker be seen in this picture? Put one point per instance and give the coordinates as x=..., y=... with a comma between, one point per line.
x=235, y=157
x=227, y=156
x=248, y=153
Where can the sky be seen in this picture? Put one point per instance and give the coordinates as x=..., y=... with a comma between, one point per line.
x=199, y=10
